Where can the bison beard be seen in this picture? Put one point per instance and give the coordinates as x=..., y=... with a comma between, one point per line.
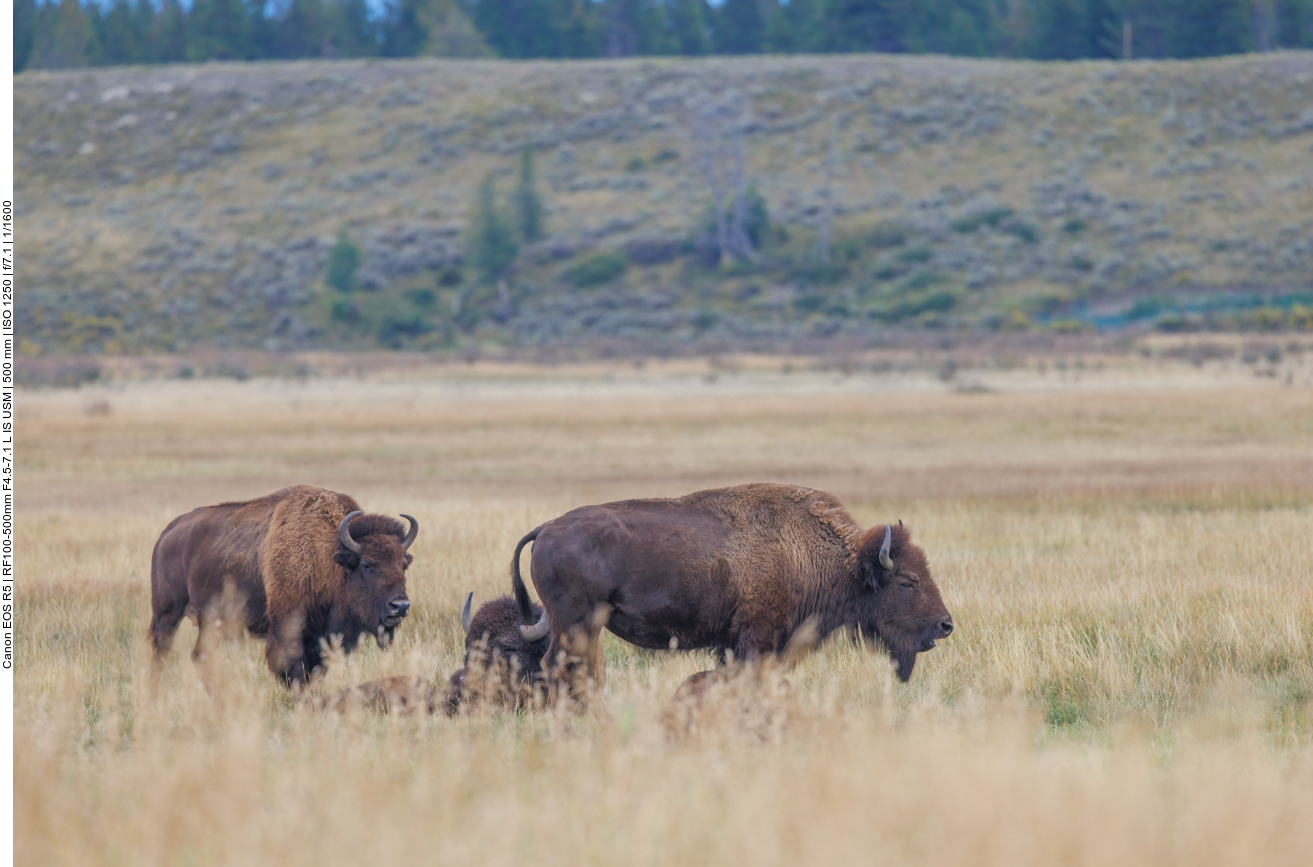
x=304, y=564
x=736, y=570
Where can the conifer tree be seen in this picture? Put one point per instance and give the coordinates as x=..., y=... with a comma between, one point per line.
x=64, y=38
x=528, y=206
x=343, y=260
x=492, y=245
x=24, y=32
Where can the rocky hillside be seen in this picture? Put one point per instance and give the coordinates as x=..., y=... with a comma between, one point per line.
x=172, y=207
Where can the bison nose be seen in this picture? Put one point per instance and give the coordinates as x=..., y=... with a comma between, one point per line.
x=399, y=607
x=946, y=626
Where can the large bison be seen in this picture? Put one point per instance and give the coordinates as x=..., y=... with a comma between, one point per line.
x=299, y=565
x=732, y=569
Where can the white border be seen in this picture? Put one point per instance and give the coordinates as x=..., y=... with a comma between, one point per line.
x=7, y=356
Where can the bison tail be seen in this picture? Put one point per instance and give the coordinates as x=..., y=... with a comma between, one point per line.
x=517, y=583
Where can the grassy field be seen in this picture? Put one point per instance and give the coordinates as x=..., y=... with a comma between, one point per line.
x=1125, y=548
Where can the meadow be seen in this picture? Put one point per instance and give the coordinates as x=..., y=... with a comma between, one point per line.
x=1124, y=545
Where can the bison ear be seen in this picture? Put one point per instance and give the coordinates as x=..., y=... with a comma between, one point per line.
x=875, y=568
x=347, y=560
x=869, y=571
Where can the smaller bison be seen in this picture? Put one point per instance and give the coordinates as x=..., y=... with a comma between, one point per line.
x=503, y=668
x=297, y=567
x=502, y=660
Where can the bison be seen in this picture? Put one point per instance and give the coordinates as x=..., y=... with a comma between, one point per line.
x=298, y=566
x=736, y=570
x=503, y=667
x=507, y=659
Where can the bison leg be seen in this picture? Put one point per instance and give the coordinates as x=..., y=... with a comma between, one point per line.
x=284, y=651
x=163, y=626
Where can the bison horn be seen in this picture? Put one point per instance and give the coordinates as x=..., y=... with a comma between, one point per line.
x=885, y=559
x=344, y=534
x=411, y=533
x=465, y=614
x=537, y=631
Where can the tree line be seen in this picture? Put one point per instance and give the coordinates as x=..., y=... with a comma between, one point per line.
x=59, y=34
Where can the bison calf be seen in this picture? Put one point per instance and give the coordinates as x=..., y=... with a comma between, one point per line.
x=502, y=668
x=503, y=664
x=300, y=565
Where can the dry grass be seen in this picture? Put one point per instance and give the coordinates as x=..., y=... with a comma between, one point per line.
x=1126, y=558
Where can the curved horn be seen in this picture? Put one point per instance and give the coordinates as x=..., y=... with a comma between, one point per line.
x=411, y=533
x=537, y=631
x=465, y=615
x=885, y=560
x=345, y=535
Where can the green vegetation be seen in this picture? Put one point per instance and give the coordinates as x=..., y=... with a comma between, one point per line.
x=528, y=205
x=343, y=260
x=71, y=34
x=209, y=203
x=597, y=269
x=492, y=244
x=991, y=218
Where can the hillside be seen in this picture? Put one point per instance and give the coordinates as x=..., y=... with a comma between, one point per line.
x=171, y=207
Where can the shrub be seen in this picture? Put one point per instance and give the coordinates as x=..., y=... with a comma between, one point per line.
x=424, y=298
x=393, y=330
x=916, y=254
x=1024, y=231
x=991, y=218
x=888, y=235
x=596, y=270
x=922, y=280
x=343, y=310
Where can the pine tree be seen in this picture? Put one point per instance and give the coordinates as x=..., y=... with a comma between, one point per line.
x=63, y=37
x=169, y=37
x=739, y=27
x=798, y=26
x=343, y=260
x=492, y=246
x=528, y=206
x=868, y=25
x=351, y=30
x=302, y=30
x=688, y=25
x=24, y=33
x=219, y=30
x=122, y=34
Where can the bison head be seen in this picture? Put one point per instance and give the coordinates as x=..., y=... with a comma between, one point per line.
x=899, y=601
x=494, y=635
x=372, y=551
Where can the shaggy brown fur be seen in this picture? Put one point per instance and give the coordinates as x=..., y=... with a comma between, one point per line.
x=502, y=670
x=288, y=578
x=503, y=666
x=733, y=569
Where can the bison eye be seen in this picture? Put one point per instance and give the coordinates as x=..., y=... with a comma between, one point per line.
x=366, y=567
x=907, y=585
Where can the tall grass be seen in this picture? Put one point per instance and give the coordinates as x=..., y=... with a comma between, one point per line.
x=1126, y=560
